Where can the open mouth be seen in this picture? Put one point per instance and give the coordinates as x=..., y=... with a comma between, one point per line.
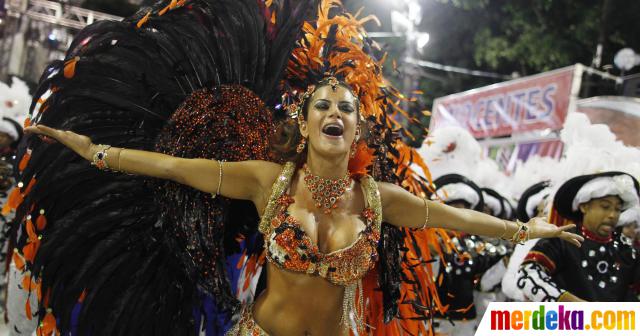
x=333, y=130
x=607, y=227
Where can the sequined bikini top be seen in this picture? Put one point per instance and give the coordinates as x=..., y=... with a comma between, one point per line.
x=289, y=247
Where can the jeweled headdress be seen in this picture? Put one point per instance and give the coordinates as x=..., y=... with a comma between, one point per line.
x=337, y=47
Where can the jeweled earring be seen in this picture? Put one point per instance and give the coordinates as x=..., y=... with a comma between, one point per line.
x=354, y=148
x=301, y=145
x=354, y=145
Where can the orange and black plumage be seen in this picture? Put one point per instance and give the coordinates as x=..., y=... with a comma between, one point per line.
x=115, y=254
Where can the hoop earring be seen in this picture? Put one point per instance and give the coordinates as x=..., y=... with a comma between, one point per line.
x=301, y=145
x=354, y=148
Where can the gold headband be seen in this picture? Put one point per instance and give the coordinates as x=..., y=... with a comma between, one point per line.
x=295, y=109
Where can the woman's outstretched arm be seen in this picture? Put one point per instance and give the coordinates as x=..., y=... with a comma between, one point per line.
x=402, y=208
x=248, y=180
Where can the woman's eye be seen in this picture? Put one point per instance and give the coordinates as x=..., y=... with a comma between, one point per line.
x=322, y=105
x=347, y=108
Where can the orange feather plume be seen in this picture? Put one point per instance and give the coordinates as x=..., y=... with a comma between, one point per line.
x=41, y=222
x=18, y=260
x=70, y=67
x=361, y=161
x=25, y=160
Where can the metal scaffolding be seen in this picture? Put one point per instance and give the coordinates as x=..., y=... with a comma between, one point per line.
x=23, y=50
x=56, y=13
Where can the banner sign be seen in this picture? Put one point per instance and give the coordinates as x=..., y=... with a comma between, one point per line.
x=507, y=155
x=527, y=104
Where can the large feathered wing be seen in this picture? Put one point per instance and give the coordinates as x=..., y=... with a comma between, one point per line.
x=106, y=253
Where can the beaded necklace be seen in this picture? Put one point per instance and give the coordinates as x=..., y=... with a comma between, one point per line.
x=326, y=191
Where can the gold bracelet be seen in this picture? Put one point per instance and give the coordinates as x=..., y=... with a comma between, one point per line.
x=426, y=213
x=120, y=155
x=99, y=158
x=219, y=178
x=504, y=231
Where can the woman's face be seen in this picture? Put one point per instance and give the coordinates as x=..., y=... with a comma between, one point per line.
x=332, y=121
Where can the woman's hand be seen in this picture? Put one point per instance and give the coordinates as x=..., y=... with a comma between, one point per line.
x=78, y=143
x=568, y=297
x=539, y=228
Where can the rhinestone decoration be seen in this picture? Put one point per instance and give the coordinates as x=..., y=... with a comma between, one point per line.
x=602, y=266
x=614, y=279
x=326, y=191
x=470, y=244
x=502, y=250
x=492, y=250
x=584, y=263
x=601, y=284
x=592, y=253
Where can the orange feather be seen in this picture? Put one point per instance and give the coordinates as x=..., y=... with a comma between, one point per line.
x=70, y=67
x=27, y=310
x=25, y=160
x=83, y=295
x=30, y=250
x=15, y=198
x=143, y=20
x=31, y=231
x=360, y=163
x=18, y=260
x=29, y=186
x=41, y=222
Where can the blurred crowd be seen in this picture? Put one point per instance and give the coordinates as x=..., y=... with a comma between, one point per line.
x=594, y=185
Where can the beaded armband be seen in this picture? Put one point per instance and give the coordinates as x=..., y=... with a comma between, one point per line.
x=522, y=234
x=100, y=158
x=279, y=186
x=373, y=198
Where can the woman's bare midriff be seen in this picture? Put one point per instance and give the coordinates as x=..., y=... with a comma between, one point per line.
x=296, y=304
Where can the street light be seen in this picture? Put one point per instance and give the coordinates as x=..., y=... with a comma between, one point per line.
x=405, y=23
x=421, y=41
x=626, y=59
x=400, y=23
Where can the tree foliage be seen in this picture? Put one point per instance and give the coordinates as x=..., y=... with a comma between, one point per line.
x=536, y=36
